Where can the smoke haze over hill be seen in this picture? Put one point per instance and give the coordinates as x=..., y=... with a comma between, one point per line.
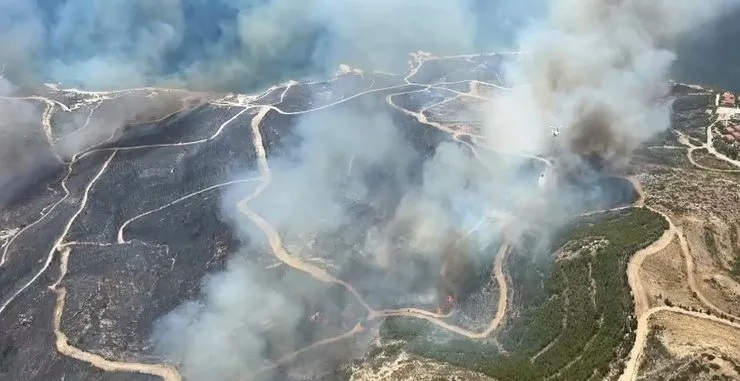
x=349, y=188
x=222, y=44
x=599, y=70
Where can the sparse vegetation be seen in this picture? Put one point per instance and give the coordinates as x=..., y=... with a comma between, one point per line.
x=736, y=269
x=694, y=192
x=670, y=157
x=596, y=335
x=735, y=244
x=711, y=242
x=730, y=150
x=655, y=351
x=7, y=351
x=703, y=157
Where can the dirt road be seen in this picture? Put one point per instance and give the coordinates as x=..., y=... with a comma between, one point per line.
x=640, y=296
x=643, y=322
x=166, y=372
x=710, y=146
x=501, y=256
x=282, y=255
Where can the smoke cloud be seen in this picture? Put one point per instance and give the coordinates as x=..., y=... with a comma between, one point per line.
x=351, y=191
x=223, y=337
x=221, y=44
x=348, y=188
x=599, y=70
x=25, y=153
x=41, y=135
x=350, y=195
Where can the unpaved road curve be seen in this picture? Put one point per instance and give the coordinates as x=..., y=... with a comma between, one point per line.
x=59, y=240
x=635, y=264
x=291, y=356
x=640, y=294
x=642, y=312
x=641, y=301
x=281, y=254
x=276, y=243
x=166, y=372
x=122, y=240
x=62, y=342
x=279, y=251
x=710, y=146
x=689, y=260
x=630, y=371
x=501, y=256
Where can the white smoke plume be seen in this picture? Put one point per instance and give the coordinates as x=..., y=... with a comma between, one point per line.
x=219, y=338
x=40, y=135
x=219, y=44
x=598, y=69
x=25, y=153
x=339, y=158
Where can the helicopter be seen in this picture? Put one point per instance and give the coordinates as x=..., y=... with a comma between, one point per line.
x=555, y=130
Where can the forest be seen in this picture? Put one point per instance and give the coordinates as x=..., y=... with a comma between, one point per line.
x=573, y=316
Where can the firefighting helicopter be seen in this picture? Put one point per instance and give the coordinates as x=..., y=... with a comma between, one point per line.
x=555, y=133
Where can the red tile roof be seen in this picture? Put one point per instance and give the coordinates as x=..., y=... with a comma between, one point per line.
x=728, y=99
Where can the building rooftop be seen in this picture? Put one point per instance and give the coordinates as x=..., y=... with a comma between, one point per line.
x=728, y=99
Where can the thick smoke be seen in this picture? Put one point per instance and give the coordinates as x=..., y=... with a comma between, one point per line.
x=220, y=44
x=350, y=186
x=222, y=337
x=25, y=152
x=103, y=120
x=347, y=189
x=40, y=135
x=598, y=69
x=325, y=169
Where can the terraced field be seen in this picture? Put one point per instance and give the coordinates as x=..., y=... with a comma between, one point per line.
x=573, y=318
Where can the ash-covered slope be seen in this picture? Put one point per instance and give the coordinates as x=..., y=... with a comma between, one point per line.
x=369, y=183
x=127, y=216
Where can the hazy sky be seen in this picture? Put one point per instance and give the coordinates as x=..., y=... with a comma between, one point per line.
x=240, y=45
x=230, y=43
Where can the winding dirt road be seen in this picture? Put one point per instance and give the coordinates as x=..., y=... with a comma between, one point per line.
x=710, y=147
x=501, y=256
x=169, y=373
x=282, y=255
x=166, y=372
x=642, y=310
x=641, y=302
x=684, y=140
x=292, y=356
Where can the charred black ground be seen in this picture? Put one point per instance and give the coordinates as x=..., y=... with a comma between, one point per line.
x=116, y=291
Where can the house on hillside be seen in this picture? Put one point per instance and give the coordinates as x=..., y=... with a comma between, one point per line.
x=728, y=99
